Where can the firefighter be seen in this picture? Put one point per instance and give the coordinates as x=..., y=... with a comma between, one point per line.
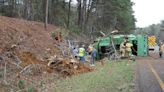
x=122, y=48
x=128, y=50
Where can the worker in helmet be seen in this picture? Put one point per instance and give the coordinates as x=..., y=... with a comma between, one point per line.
x=82, y=53
x=128, y=50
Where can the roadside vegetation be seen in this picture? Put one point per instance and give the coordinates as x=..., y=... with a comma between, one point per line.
x=110, y=77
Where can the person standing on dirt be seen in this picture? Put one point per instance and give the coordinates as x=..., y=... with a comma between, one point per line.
x=161, y=50
x=82, y=53
x=75, y=52
x=93, y=56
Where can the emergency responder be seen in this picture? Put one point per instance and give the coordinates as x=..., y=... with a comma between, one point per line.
x=93, y=57
x=82, y=53
x=128, y=50
x=122, y=48
x=161, y=49
x=92, y=51
x=75, y=52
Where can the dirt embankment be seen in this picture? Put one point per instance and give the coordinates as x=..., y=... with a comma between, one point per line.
x=29, y=43
x=26, y=48
x=27, y=35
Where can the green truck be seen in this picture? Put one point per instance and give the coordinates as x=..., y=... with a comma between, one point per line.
x=105, y=48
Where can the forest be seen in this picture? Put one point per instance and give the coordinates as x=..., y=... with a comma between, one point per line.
x=82, y=16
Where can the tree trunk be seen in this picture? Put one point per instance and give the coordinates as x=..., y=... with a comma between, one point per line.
x=79, y=12
x=69, y=13
x=83, y=15
x=89, y=8
x=46, y=15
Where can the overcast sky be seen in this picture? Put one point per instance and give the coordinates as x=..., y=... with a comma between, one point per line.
x=148, y=12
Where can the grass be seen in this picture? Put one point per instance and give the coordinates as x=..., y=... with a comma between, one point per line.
x=112, y=77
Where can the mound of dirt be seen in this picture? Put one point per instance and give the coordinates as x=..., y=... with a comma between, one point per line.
x=27, y=36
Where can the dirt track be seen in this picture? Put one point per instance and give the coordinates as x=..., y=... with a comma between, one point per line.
x=150, y=74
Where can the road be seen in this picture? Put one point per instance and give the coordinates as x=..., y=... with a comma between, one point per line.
x=150, y=74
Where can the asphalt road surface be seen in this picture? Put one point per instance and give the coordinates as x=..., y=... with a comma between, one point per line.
x=150, y=74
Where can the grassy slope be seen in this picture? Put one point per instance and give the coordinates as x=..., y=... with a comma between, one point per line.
x=112, y=77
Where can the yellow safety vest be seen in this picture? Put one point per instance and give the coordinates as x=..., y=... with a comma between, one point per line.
x=81, y=52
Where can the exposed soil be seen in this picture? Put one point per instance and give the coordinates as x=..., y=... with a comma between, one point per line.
x=29, y=45
x=27, y=35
